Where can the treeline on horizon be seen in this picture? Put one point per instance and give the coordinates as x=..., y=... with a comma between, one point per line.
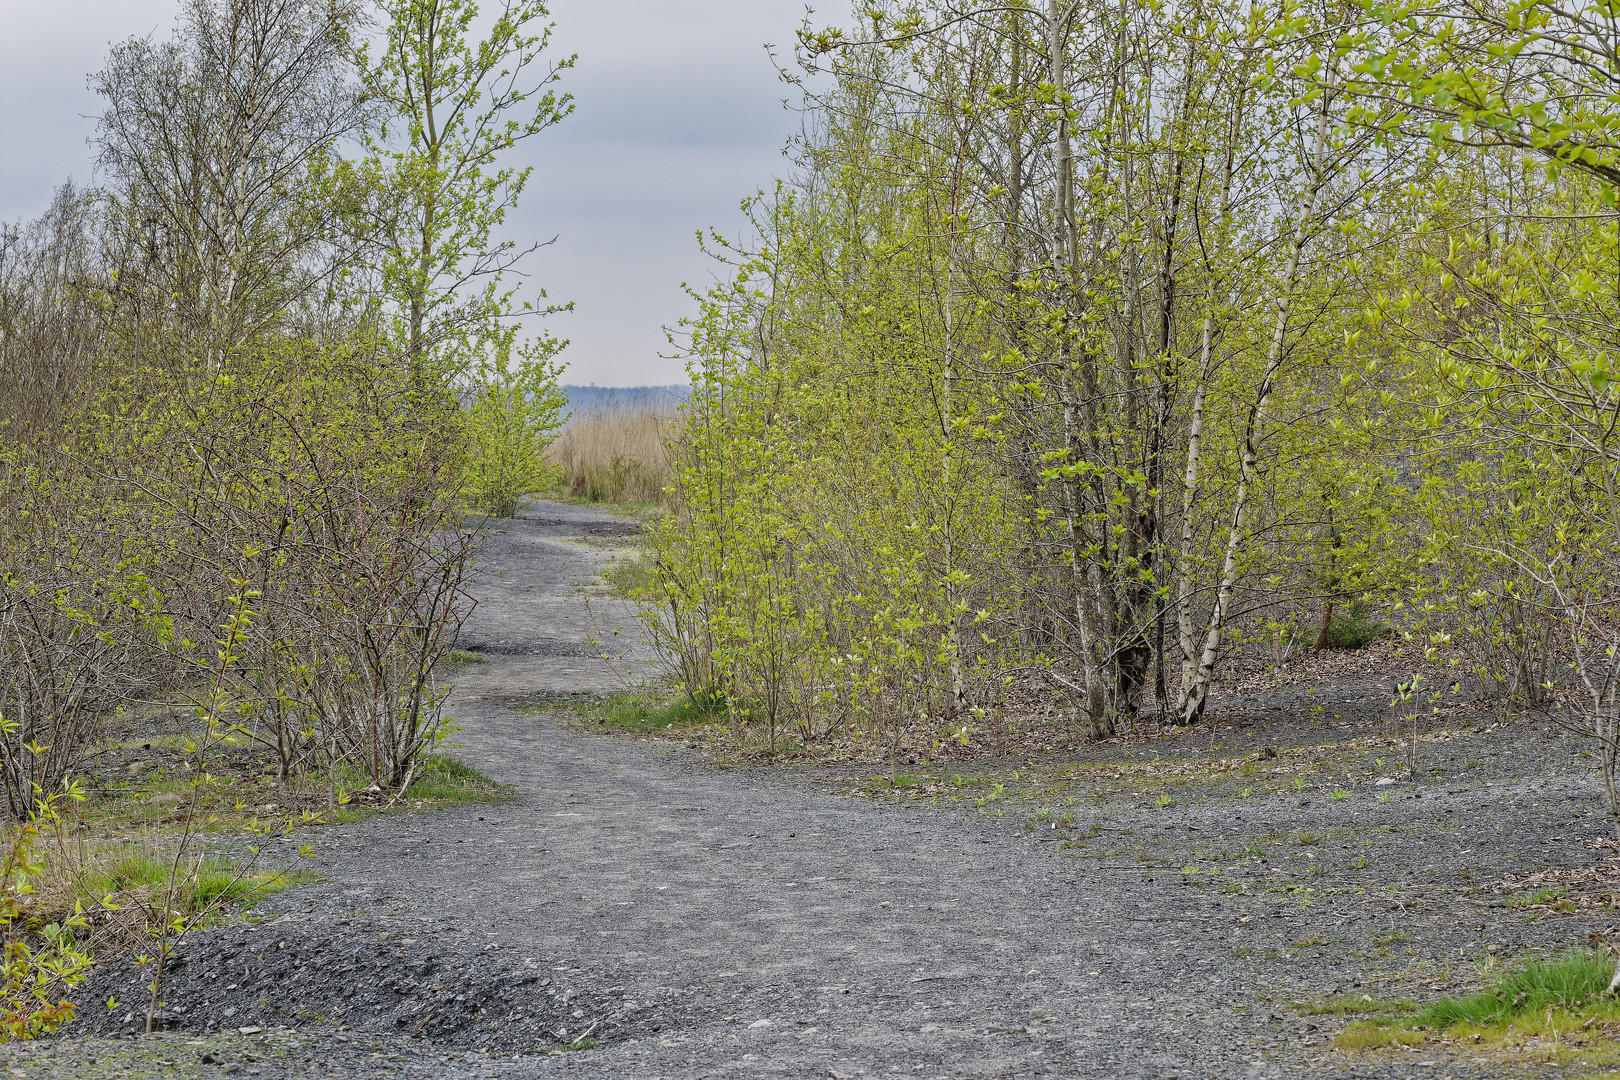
x=582, y=399
x=1090, y=342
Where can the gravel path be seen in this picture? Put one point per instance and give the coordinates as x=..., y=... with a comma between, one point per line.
x=703, y=922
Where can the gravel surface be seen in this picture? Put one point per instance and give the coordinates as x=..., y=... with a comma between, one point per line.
x=688, y=920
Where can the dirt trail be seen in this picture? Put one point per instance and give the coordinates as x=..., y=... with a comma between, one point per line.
x=710, y=923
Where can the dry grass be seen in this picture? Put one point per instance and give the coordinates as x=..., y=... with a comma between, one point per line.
x=617, y=453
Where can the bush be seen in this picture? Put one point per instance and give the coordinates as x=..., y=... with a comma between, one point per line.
x=75, y=619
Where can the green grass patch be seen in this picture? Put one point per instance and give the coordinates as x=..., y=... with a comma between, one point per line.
x=1377, y=1033
x=462, y=656
x=631, y=576
x=1569, y=981
x=1553, y=899
x=647, y=714
x=1552, y=1008
x=160, y=802
x=442, y=779
x=219, y=885
x=569, y=1048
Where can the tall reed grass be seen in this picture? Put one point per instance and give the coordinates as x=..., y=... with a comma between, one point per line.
x=618, y=453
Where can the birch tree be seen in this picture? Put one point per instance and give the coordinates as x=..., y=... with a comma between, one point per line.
x=206, y=145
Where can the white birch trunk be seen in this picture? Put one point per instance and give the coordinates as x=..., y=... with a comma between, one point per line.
x=1196, y=690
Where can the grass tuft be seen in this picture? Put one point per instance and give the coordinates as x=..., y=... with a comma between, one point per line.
x=1352, y=1005
x=1546, y=1006
x=1570, y=980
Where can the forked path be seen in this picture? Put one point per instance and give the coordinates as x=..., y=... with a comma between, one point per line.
x=743, y=923
x=777, y=931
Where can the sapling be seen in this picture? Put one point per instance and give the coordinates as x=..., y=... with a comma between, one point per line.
x=170, y=922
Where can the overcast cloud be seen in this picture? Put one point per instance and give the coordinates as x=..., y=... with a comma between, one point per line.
x=678, y=117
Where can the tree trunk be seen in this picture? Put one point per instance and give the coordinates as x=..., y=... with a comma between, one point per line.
x=1190, y=709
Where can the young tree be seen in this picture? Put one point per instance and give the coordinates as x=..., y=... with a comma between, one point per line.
x=436, y=185
x=513, y=414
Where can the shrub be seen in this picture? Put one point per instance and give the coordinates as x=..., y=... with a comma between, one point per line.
x=75, y=617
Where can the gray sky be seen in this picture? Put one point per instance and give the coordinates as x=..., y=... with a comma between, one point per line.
x=678, y=117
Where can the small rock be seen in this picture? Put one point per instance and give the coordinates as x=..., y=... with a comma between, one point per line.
x=251, y=1029
x=760, y=1024
x=140, y=768
x=1384, y=781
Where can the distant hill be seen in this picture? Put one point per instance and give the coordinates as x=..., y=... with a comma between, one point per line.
x=585, y=398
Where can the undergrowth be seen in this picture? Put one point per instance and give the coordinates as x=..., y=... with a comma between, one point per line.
x=1354, y=629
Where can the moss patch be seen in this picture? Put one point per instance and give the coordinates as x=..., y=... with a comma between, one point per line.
x=1352, y=1005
